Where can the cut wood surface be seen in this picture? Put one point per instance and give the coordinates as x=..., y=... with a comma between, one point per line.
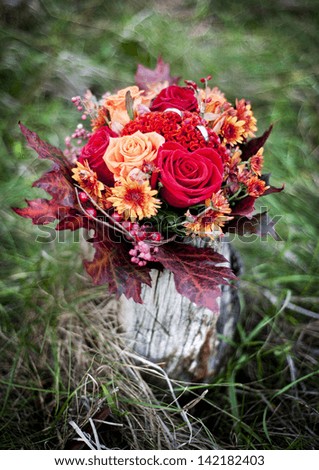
x=172, y=331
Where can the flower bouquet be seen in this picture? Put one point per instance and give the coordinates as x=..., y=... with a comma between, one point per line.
x=160, y=169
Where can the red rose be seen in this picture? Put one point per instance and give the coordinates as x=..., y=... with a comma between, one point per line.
x=175, y=96
x=188, y=178
x=93, y=152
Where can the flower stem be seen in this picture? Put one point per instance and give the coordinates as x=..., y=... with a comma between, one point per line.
x=115, y=225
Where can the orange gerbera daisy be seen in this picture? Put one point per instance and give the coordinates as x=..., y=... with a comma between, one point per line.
x=231, y=163
x=244, y=113
x=218, y=202
x=244, y=175
x=134, y=199
x=209, y=225
x=213, y=218
x=87, y=179
x=256, y=187
x=101, y=119
x=257, y=161
x=232, y=130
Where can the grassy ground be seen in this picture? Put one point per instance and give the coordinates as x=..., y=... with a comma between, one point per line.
x=58, y=362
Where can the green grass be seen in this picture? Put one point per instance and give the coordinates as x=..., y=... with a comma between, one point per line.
x=267, y=397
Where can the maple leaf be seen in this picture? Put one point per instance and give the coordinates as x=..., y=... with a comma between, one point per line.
x=47, y=151
x=198, y=272
x=57, y=183
x=60, y=188
x=41, y=211
x=145, y=76
x=111, y=264
x=252, y=147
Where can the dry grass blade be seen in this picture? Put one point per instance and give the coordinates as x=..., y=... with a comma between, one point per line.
x=289, y=305
x=119, y=379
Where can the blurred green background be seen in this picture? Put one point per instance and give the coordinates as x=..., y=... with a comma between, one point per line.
x=266, y=52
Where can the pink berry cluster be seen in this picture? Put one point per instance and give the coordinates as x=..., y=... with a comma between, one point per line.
x=143, y=239
x=142, y=253
x=87, y=105
x=74, y=142
x=77, y=101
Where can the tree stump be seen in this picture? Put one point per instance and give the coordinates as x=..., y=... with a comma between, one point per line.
x=188, y=341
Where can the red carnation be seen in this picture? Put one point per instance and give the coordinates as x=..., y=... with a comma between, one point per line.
x=93, y=152
x=175, y=96
x=188, y=178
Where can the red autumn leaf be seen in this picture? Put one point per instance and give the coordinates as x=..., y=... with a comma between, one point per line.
x=60, y=188
x=111, y=264
x=44, y=211
x=252, y=146
x=244, y=207
x=145, y=76
x=198, y=272
x=47, y=151
x=57, y=183
x=41, y=211
x=271, y=189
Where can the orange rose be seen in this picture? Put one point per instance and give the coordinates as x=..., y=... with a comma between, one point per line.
x=123, y=154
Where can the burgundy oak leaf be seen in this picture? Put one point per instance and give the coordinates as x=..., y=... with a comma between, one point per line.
x=145, y=76
x=252, y=146
x=198, y=272
x=111, y=264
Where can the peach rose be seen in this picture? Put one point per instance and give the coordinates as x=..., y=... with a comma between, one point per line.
x=116, y=106
x=119, y=117
x=118, y=101
x=123, y=154
x=152, y=91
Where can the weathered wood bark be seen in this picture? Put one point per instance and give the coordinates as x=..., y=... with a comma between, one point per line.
x=169, y=329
